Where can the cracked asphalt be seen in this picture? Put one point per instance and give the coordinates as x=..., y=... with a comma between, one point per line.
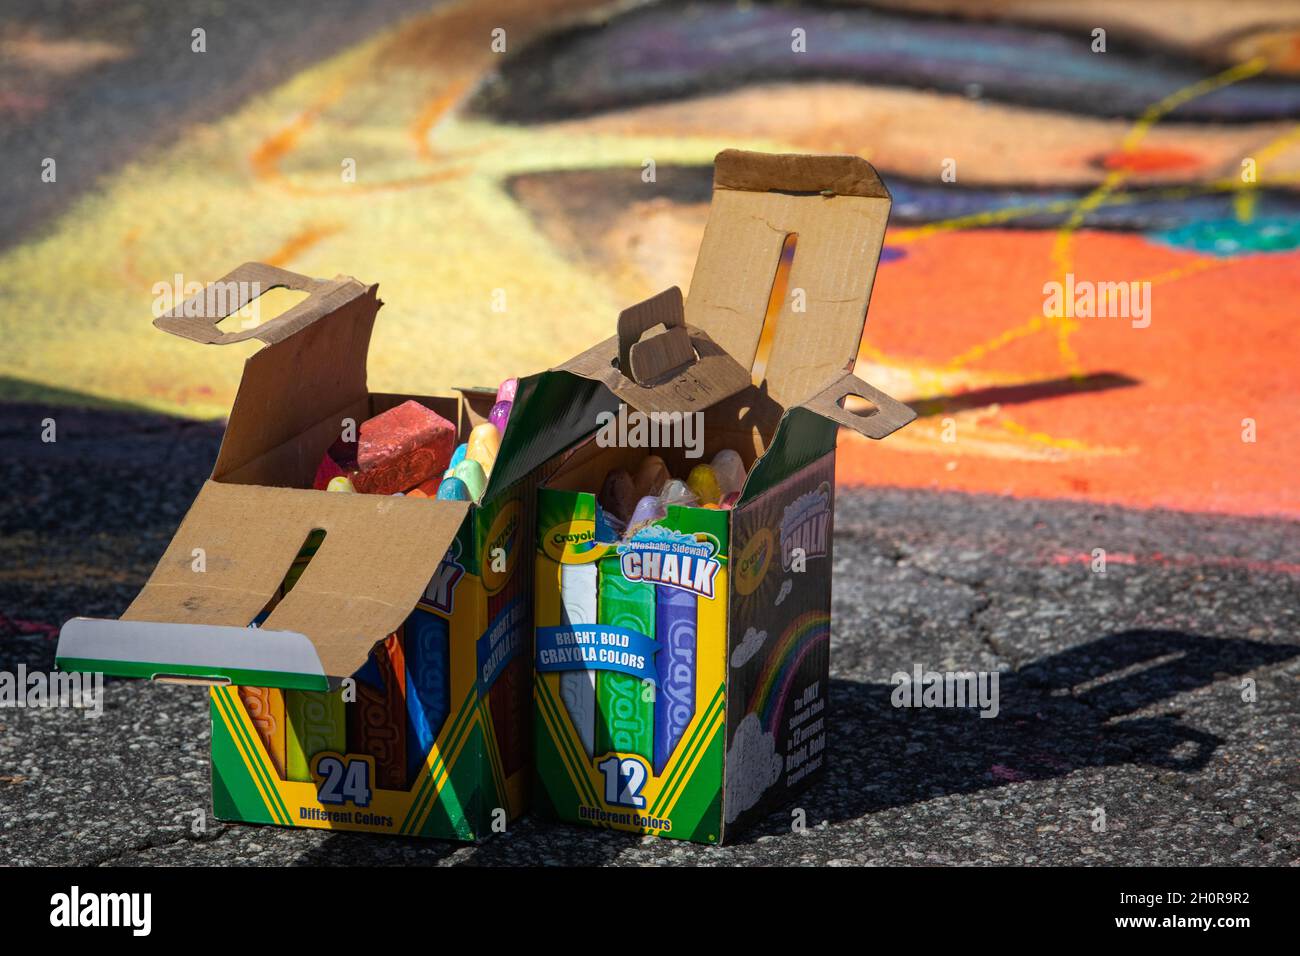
x=1148, y=715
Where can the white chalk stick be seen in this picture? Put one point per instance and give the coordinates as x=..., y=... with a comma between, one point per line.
x=578, y=688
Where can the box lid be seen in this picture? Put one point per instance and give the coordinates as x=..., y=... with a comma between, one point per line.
x=700, y=352
x=239, y=538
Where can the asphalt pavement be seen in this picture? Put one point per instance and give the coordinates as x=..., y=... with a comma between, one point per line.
x=1123, y=735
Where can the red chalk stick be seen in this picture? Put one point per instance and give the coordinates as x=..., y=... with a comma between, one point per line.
x=327, y=469
x=378, y=716
x=340, y=459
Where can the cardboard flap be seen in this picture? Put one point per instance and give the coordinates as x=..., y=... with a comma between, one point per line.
x=231, y=552
x=313, y=369
x=197, y=653
x=679, y=370
x=197, y=317
x=884, y=415
x=646, y=361
x=837, y=208
x=797, y=173
x=712, y=377
x=552, y=410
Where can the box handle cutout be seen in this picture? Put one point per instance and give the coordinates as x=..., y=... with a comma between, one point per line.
x=647, y=360
x=882, y=416
x=262, y=309
x=199, y=318
x=871, y=407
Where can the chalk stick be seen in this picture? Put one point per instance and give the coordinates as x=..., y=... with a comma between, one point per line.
x=651, y=476
x=326, y=471
x=677, y=492
x=265, y=706
x=377, y=719
x=508, y=700
x=704, y=482
x=483, y=444
x=578, y=688
x=624, y=715
x=729, y=468
x=314, y=722
x=500, y=415
x=510, y=696
x=675, y=629
x=314, y=540
x=618, y=495
x=428, y=685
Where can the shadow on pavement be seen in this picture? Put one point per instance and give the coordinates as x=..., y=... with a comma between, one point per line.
x=1065, y=712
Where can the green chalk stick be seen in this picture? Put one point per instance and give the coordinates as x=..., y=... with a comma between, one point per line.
x=625, y=710
x=314, y=722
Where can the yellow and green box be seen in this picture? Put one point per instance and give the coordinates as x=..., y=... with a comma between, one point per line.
x=369, y=655
x=682, y=672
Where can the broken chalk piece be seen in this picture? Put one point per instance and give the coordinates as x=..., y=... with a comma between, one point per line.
x=457, y=456
x=507, y=390
x=340, y=483
x=401, y=448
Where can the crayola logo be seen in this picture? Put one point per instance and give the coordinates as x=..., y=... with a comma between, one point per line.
x=502, y=536
x=573, y=542
x=751, y=566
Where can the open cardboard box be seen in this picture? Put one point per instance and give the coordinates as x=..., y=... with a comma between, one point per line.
x=449, y=573
x=725, y=717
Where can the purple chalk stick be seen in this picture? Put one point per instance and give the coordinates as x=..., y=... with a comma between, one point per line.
x=499, y=415
x=675, y=668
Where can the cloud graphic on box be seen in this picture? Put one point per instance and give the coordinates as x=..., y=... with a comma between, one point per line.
x=747, y=648
x=753, y=765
